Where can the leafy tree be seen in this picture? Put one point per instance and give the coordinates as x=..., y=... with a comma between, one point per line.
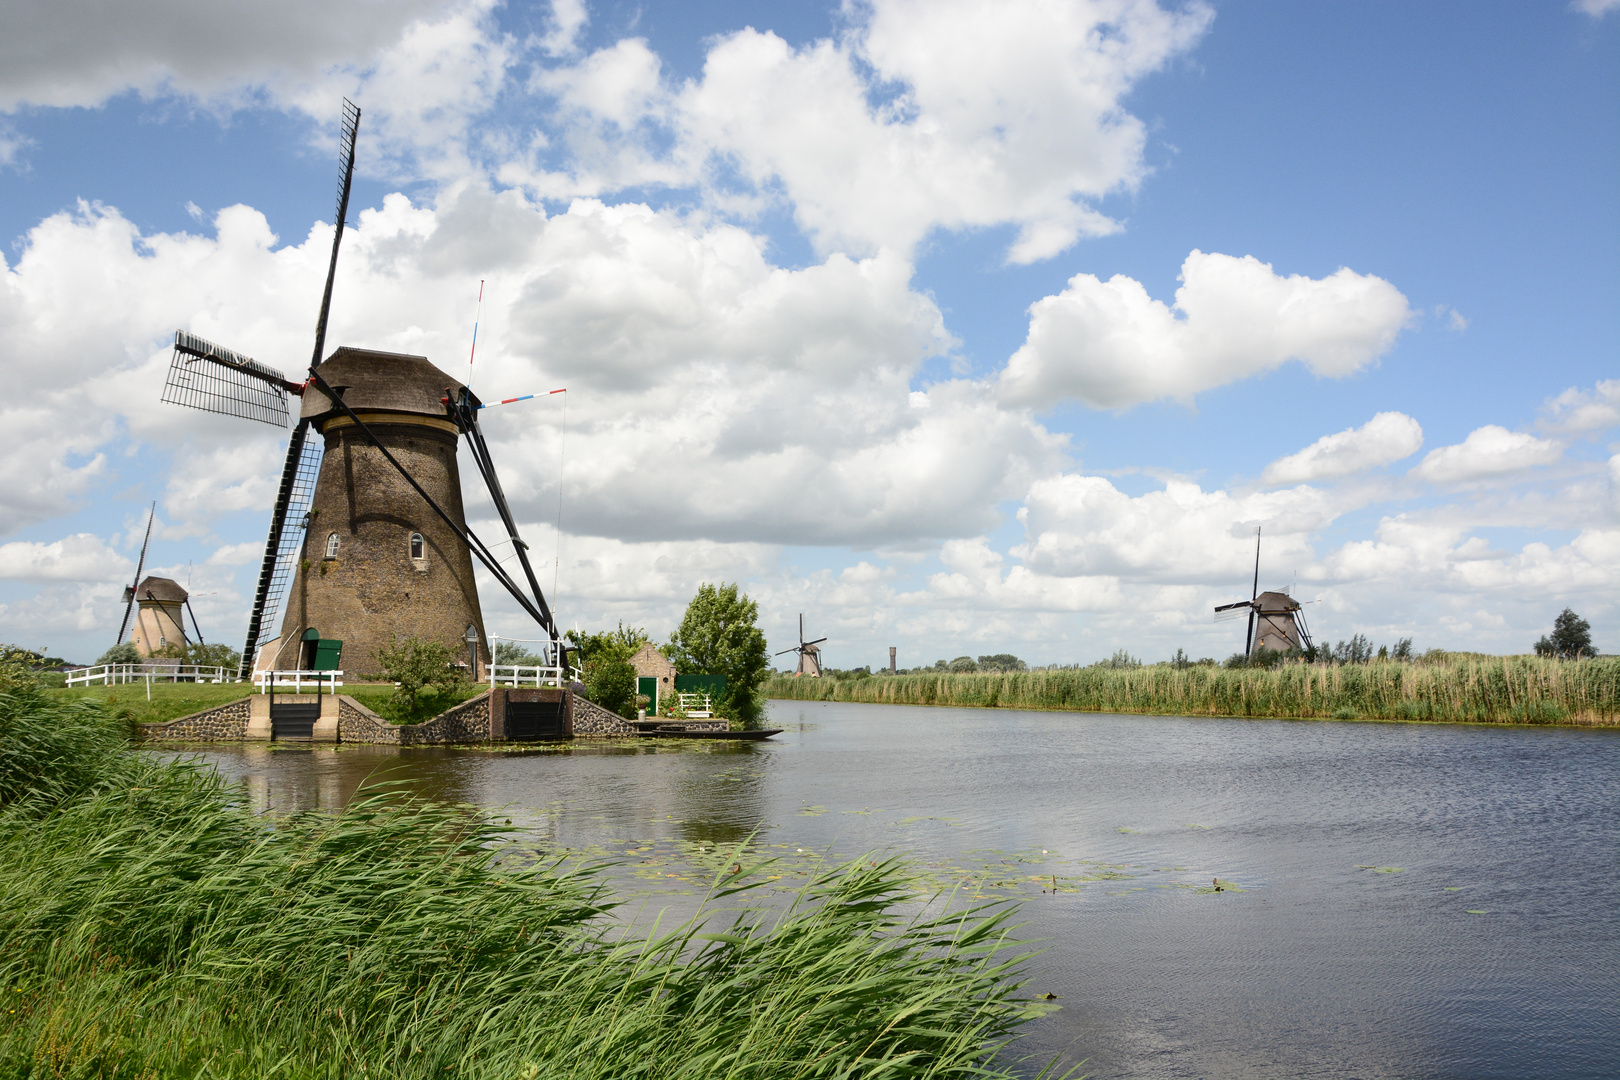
x=1001, y=662
x=17, y=668
x=123, y=653
x=964, y=664
x=513, y=652
x=718, y=636
x=422, y=669
x=610, y=680
x=1571, y=638
x=1120, y=659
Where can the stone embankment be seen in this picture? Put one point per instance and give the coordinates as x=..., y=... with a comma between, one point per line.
x=343, y=719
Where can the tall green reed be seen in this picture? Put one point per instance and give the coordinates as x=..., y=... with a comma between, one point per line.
x=1504, y=689
x=151, y=926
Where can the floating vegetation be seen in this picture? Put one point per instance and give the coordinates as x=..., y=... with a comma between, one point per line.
x=1476, y=911
x=1480, y=689
x=1381, y=869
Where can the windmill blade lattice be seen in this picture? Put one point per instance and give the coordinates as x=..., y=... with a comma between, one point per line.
x=289, y=521
x=215, y=379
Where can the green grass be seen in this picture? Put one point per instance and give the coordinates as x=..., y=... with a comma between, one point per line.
x=151, y=926
x=1498, y=689
x=379, y=698
x=169, y=700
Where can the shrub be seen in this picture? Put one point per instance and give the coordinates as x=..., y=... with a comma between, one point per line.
x=422, y=671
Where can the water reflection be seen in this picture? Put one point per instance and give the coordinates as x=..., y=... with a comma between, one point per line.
x=1403, y=901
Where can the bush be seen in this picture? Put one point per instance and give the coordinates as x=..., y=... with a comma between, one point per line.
x=610, y=681
x=122, y=653
x=423, y=673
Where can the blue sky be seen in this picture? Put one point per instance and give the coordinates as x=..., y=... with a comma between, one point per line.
x=814, y=379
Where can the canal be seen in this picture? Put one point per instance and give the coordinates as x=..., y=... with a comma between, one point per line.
x=1395, y=900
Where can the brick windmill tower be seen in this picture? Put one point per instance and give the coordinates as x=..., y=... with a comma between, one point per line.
x=377, y=561
x=368, y=528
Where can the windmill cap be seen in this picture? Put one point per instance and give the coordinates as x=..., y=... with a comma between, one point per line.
x=380, y=382
x=163, y=589
x=1276, y=603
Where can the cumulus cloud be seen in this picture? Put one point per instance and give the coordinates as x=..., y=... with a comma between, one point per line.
x=1386, y=438
x=1488, y=451
x=947, y=114
x=715, y=395
x=80, y=557
x=1595, y=8
x=1578, y=412
x=1111, y=345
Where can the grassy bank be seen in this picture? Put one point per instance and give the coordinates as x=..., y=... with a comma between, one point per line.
x=169, y=700
x=151, y=926
x=1501, y=689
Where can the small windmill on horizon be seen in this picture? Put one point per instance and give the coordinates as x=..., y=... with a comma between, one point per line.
x=809, y=653
x=1276, y=620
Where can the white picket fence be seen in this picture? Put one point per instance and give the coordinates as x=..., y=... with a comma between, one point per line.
x=691, y=707
x=293, y=682
x=117, y=674
x=529, y=675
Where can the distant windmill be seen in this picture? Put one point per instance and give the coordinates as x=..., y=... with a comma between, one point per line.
x=809, y=653
x=389, y=424
x=1276, y=620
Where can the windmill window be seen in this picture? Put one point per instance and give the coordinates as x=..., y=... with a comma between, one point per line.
x=418, y=546
x=331, y=545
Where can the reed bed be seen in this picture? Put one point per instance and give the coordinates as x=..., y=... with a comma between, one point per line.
x=151, y=926
x=1499, y=689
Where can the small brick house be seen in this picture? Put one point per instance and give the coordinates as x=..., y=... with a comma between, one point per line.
x=655, y=675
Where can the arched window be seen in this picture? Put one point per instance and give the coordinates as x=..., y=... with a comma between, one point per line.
x=418, y=546
x=331, y=545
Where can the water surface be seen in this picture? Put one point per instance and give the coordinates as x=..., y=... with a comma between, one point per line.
x=1398, y=900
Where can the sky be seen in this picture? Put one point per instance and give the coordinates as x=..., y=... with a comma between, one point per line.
x=963, y=328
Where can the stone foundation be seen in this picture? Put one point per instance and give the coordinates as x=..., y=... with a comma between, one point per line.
x=343, y=719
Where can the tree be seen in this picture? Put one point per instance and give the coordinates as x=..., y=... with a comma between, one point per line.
x=1001, y=662
x=717, y=636
x=1571, y=638
x=124, y=653
x=610, y=681
x=513, y=652
x=421, y=668
x=964, y=664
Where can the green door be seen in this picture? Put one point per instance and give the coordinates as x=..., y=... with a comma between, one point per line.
x=328, y=655
x=648, y=685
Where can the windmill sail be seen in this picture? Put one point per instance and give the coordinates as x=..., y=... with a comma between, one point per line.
x=289, y=518
x=140, y=566
x=288, y=523
x=215, y=379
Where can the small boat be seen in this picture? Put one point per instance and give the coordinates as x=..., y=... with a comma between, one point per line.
x=679, y=731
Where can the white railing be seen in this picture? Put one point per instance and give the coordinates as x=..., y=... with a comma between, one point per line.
x=689, y=706
x=115, y=674
x=528, y=675
x=293, y=682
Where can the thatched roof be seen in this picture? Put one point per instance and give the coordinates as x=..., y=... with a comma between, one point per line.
x=380, y=382
x=162, y=589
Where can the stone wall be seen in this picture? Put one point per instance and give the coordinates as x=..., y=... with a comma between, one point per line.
x=356, y=723
x=591, y=719
x=222, y=723
x=466, y=723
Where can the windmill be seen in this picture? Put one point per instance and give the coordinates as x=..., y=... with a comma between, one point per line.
x=1276, y=620
x=809, y=653
x=390, y=490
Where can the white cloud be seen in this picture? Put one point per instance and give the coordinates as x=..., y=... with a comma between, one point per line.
x=1578, y=411
x=714, y=396
x=1112, y=346
x=1488, y=451
x=82, y=52
x=80, y=557
x=568, y=19
x=1595, y=8
x=1385, y=438
x=948, y=114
